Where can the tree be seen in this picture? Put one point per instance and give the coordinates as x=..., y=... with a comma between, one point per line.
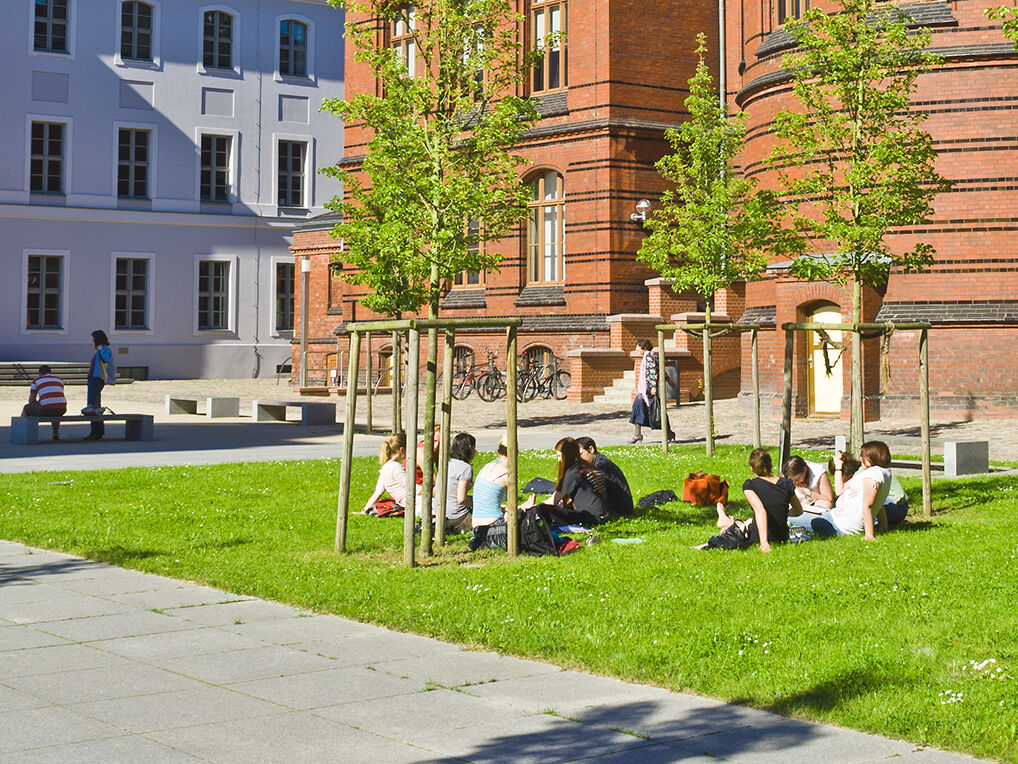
x=1009, y=17
x=439, y=176
x=854, y=159
x=712, y=225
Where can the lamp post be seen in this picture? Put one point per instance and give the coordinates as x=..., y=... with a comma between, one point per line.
x=305, y=278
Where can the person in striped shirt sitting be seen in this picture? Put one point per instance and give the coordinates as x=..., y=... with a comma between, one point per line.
x=46, y=398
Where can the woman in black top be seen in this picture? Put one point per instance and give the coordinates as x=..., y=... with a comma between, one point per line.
x=581, y=489
x=772, y=499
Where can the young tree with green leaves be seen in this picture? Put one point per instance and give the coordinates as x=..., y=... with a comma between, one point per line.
x=439, y=175
x=712, y=225
x=854, y=159
x=1009, y=16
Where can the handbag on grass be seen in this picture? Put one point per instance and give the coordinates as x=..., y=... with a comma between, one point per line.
x=704, y=490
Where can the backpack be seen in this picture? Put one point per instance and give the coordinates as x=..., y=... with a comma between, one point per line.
x=536, y=536
x=735, y=536
x=704, y=490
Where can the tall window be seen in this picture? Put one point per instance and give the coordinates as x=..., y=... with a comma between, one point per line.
x=136, y=31
x=546, y=229
x=401, y=40
x=284, y=297
x=45, y=286
x=790, y=9
x=131, y=298
x=47, y=162
x=293, y=48
x=470, y=278
x=215, y=168
x=548, y=19
x=132, y=164
x=218, y=42
x=213, y=294
x=51, y=26
x=290, y=179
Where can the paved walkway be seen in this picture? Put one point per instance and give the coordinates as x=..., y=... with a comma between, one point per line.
x=109, y=665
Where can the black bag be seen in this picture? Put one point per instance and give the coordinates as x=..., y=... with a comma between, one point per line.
x=655, y=412
x=735, y=536
x=536, y=536
x=495, y=536
x=657, y=498
x=539, y=485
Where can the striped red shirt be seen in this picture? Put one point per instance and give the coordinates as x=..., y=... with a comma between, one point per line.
x=49, y=391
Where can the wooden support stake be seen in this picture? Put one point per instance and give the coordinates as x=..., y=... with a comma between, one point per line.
x=924, y=406
x=512, y=492
x=346, y=464
x=785, y=447
x=443, y=448
x=662, y=400
x=395, y=365
x=367, y=387
x=414, y=351
x=757, y=440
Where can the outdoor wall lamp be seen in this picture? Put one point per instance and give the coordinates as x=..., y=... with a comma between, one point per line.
x=642, y=207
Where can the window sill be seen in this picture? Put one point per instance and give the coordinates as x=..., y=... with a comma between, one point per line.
x=133, y=203
x=216, y=208
x=336, y=311
x=153, y=65
x=47, y=200
x=211, y=71
x=302, y=80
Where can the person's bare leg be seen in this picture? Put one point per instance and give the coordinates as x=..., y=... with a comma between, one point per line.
x=724, y=521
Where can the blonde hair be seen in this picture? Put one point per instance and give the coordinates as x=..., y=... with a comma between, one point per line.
x=391, y=447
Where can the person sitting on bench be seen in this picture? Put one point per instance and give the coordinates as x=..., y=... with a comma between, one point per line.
x=46, y=398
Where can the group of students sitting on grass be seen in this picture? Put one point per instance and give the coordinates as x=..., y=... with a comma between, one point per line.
x=864, y=498
x=590, y=488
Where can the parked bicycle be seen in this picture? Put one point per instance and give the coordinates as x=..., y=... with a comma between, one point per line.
x=545, y=380
x=466, y=380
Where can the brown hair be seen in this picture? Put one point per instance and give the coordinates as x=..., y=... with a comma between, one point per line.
x=570, y=451
x=794, y=467
x=760, y=462
x=391, y=447
x=644, y=345
x=849, y=466
x=463, y=447
x=876, y=452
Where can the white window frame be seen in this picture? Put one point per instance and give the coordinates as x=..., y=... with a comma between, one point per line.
x=156, y=62
x=150, y=293
x=234, y=136
x=231, y=301
x=152, y=140
x=72, y=27
x=274, y=261
x=65, y=289
x=214, y=71
x=68, y=124
x=308, y=78
x=309, y=169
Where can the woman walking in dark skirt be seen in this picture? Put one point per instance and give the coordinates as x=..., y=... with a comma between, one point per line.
x=646, y=388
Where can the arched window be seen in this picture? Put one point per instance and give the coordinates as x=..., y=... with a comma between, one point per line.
x=546, y=229
x=293, y=48
x=548, y=20
x=136, y=31
x=462, y=358
x=218, y=40
x=537, y=355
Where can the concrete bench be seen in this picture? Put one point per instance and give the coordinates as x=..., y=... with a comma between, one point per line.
x=311, y=412
x=214, y=406
x=25, y=429
x=961, y=457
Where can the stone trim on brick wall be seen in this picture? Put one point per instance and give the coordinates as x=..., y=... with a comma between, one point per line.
x=952, y=312
x=541, y=295
x=464, y=298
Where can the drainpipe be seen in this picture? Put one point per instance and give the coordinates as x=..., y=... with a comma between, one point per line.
x=305, y=279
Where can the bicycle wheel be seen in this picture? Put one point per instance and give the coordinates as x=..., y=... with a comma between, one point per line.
x=560, y=384
x=530, y=388
x=489, y=386
x=461, y=386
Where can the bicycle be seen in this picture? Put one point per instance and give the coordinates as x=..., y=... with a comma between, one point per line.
x=546, y=380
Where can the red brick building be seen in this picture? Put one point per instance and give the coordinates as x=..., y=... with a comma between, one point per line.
x=606, y=97
x=971, y=292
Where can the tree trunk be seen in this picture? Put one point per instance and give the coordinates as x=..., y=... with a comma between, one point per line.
x=428, y=435
x=708, y=377
x=856, y=440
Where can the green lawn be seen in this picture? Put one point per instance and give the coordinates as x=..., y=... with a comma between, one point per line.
x=892, y=637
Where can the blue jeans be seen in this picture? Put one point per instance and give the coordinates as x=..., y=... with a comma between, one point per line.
x=896, y=512
x=94, y=399
x=821, y=525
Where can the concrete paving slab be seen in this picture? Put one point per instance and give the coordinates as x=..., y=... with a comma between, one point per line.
x=131, y=623
x=85, y=685
x=328, y=688
x=14, y=637
x=569, y=692
x=14, y=700
x=305, y=628
x=36, y=727
x=62, y=609
x=234, y=612
x=168, y=710
x=246, y=665
x=153, y=648
x=51, y=660
x=466, y=667
x=179, y=597
x=933, y=756
x=286, y=738
x=377, y=648
x=15, y=591
x=654, y=753
x=132, y=582
x=128, y=748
